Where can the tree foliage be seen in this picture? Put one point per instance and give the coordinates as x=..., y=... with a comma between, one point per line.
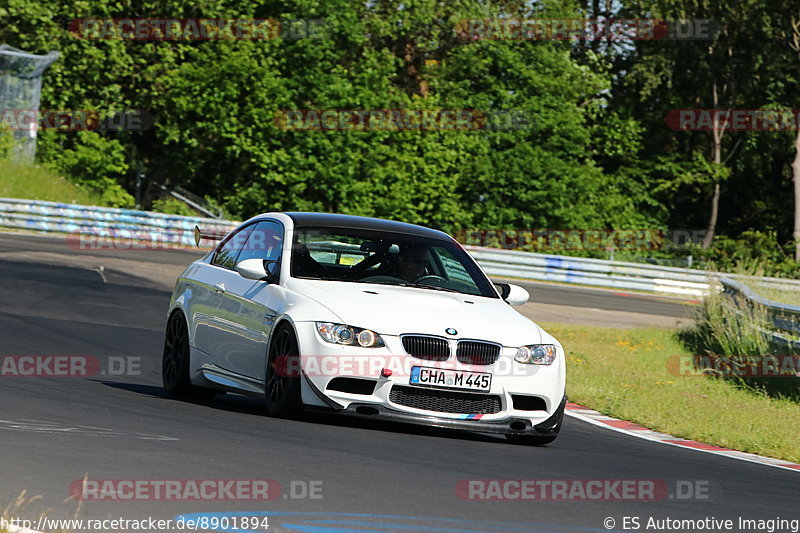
x=595, y=153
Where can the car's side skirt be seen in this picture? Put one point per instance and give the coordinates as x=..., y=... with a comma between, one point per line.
x=230, y=381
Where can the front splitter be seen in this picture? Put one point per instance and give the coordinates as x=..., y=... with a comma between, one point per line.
x=506, y=426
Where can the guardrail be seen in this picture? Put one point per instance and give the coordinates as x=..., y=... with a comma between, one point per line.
x=785, y=318
x=586, y=271
x=609, y=274
x=105, y=224
x=111, y=225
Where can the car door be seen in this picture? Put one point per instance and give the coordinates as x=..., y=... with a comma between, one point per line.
x=246, y=307
x=208, y=284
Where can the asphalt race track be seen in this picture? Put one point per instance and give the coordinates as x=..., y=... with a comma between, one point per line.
x=548, y=293
x=366, y=476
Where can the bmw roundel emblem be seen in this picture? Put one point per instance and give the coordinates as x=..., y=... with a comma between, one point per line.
x=450, y=331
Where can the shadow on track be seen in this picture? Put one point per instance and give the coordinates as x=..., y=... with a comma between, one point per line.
x=237, y=403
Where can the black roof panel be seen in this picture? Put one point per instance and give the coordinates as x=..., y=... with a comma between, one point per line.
x=333, y=220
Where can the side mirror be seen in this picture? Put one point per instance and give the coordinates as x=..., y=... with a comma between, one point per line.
x=513, y=294
x=258, y=269
x=273, y=270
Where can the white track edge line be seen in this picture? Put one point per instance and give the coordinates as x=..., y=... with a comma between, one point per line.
x=715, y=452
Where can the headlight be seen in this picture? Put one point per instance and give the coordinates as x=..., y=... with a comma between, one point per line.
x=348, y=335
x=536, y=354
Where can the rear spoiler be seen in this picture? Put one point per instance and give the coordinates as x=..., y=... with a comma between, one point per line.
x=207, y=234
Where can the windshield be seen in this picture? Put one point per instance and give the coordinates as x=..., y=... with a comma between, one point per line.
x=368, y=256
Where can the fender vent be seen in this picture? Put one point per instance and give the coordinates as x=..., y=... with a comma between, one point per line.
x=528, y=403
x=352, y=385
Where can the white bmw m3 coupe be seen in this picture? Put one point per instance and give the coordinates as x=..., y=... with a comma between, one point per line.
x=364, y=317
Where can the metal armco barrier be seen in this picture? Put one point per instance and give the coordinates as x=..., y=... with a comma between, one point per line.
x=596, y=272
x=105, y=224
x=608, y=274
x=785, y=318
x=98, y=223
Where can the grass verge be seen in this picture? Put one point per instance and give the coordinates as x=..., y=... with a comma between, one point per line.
x=35, y=182
x=17, y=511
x=629, y=374
x=732, y=332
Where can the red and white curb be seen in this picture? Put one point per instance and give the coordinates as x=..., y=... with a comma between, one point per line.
x=629, y=428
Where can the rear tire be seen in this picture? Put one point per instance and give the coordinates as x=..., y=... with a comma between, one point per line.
x=175, y=361
x=281, y=385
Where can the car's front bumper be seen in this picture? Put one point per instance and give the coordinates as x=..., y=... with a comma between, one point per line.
x=508, y=426
x=321, y=362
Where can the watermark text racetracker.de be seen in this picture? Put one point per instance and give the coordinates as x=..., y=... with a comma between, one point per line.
x=386, y=365
x=735, y=366
x=572, y=239
x=75, y=120
x=611, y=29
x=224, y=523
x=125, y=239
x=194, y=490
x=69, y=366
x=396, y=120
x=734, y=119
x=161, y=238
x=581, y=489
x=197, y=29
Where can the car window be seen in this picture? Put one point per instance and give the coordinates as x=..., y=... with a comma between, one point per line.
x=335, y=253
x=371, y=256
x=228, y=251
x=452, y=268
x=264, y=242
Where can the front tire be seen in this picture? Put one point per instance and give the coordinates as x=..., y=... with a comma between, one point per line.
x=282, y=380
x=175, y=361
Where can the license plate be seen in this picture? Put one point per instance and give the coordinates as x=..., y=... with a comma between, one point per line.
x=450, y=379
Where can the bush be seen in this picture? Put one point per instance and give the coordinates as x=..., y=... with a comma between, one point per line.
x=729, y=328
x=6, y=143
x=172, y=206
x=754, y=252
x=109, y=192
x=92, y=164
x=732, y=331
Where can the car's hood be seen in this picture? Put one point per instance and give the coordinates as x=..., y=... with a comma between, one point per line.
x=396, y=310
